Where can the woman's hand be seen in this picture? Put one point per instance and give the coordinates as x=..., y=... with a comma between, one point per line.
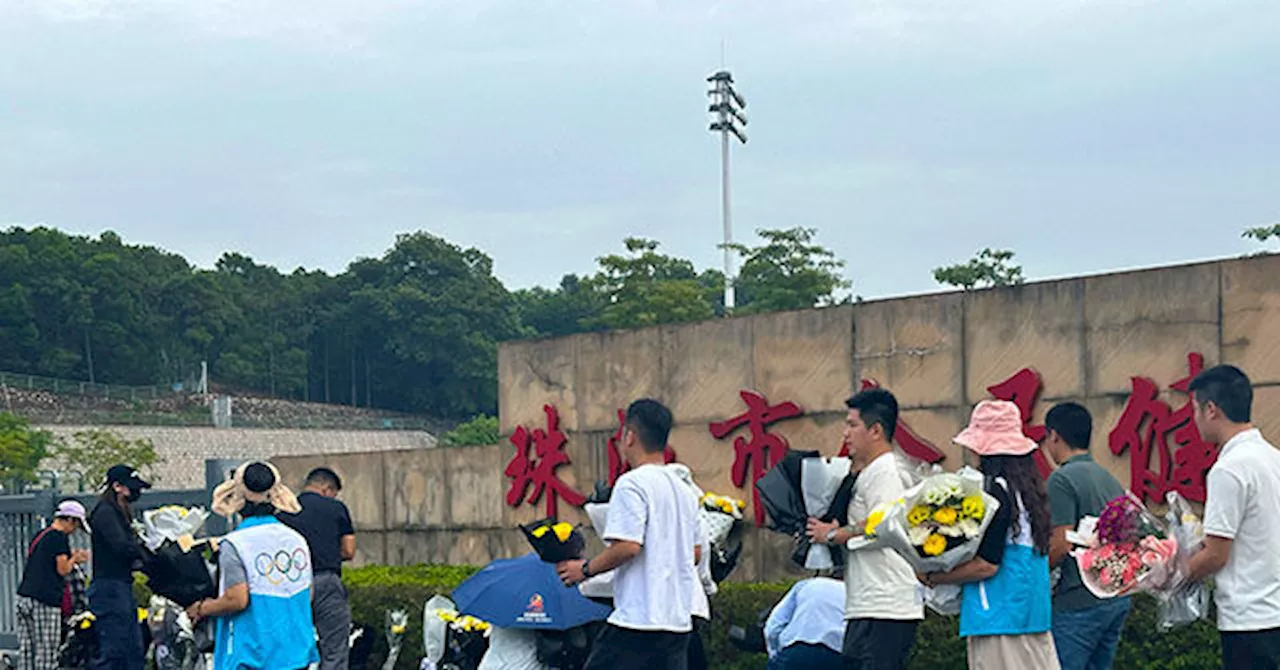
x=195, y=612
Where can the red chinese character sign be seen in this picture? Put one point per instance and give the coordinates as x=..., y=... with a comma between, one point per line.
x=617, y=464
x=761, y=450
x=532, y=471
x=1149, y=425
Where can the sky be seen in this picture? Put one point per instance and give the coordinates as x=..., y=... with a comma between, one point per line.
x=1085, y=136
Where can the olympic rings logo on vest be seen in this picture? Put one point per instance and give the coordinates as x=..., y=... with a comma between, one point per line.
x=282, y=566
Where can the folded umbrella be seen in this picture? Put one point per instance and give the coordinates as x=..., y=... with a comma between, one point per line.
x=525, y=592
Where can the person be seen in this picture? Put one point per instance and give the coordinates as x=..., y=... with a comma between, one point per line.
x=39, y=609
x=511, y=649
x=883, y=603
x=325, y=523
x=803, y=630
x=651, y=534
x=1086, y=629
x=1006, y=610
x=263, y=608
x=1241, y=529
x=701, y=608
x=116, y=554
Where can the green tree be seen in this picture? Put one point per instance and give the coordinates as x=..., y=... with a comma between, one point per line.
x=787, y=272
x=987, y=268
x=21, y=449
x=572, y=308
x=480, y=431
x=1262, y=234
x=90, y=453
x=646, y=288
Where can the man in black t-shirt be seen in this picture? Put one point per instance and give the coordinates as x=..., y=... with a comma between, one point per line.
x=326, y=524
x=39, y=607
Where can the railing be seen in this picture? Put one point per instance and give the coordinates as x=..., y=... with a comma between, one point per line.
x=89, y=389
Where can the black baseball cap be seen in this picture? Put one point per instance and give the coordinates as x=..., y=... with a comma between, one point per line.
x=127, y=476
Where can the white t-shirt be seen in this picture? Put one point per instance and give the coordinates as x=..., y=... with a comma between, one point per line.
x=880, y=584
x=511, y=649
x=654, y=591
x=1244, y=505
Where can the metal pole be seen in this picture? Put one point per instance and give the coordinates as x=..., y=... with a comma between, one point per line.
x=728, y=221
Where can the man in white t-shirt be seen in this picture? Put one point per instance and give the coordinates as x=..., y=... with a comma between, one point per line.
x=884, y=603
x=1241, y=524
x=652, y=533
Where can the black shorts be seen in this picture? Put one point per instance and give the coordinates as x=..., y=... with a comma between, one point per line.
x=878, y=644
x=1251, y=650
x=625, y=649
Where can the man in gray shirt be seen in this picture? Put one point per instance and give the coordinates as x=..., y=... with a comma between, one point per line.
x=1086, y=630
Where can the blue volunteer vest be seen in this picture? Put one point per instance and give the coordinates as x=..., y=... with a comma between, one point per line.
x=1018, y=600
x=275, y=631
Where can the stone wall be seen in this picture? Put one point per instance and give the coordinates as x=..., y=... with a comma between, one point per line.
x=1087, y=338
x=185, y=450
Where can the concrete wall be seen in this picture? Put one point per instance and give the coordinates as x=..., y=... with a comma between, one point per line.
x=1086, y=337
x=185, y=450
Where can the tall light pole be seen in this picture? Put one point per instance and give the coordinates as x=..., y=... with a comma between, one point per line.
x=727, y=119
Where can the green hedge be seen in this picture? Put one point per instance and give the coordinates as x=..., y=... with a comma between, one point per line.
x=376, y=589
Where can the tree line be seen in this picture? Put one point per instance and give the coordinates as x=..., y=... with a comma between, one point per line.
x=414, y=330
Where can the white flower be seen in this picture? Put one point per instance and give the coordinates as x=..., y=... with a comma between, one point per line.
x=969, y=527
x=918, y=535
x=951, y=531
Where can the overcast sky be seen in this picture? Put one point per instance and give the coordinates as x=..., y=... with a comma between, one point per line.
x=1087, y=136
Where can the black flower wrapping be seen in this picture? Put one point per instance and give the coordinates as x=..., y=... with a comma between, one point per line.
x=549, y=547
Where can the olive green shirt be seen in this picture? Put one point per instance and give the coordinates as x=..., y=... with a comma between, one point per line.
x=1078, y=489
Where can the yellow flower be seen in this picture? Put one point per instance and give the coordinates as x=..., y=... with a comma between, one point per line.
x=935, y=545
x=945, y=515
x=540, y=531
x=973, y=507
x=740, y=503
x=142, y=615
x=726, y=507
x=918, y=515
x=85, y=623
x=873, y=521
x=398, y=629
x=563, y=531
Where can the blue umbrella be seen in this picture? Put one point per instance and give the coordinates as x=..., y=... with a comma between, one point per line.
x=525, y=592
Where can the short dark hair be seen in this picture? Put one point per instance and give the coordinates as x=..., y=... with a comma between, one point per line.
x=1073, y=423
x=651, y=421
x=323, y=476
x=876, y=406
x=1229, y=388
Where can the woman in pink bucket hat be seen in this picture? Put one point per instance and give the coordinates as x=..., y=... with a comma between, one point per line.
x=1006, y=611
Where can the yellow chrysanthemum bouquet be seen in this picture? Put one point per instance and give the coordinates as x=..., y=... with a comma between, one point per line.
x=939, y=523
x=554, y=540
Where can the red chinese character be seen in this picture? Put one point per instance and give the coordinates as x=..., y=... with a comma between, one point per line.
x=1023, y=389
x=539, y=470
x=1148, y=425
x=913, y=445
x=617, y=464
x=763, y=450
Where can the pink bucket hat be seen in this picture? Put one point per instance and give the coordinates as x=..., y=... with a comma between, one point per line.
x=995, y=429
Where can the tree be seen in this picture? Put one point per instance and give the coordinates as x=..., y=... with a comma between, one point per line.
x=1262, y=233
x=647, y=288
x=480, y=431
x=21, y=449
x=988, y=268
x=787, y=272
x=572, y=308
x=90, y=453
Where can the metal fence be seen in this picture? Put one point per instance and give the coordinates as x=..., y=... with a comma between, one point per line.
x=24, y=515
x=90, y=389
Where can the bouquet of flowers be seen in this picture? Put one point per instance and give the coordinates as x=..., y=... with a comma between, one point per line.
x=1181, y=601
x=555, y=541
x=452, y=640
x=939, y=523
x=1125, y=549
x=177, y=566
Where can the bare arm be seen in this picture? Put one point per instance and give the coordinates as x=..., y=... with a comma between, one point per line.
x=1059, y=546
x=234, y=600
x=348, y=548
x=611, y=558
x=1211, y=558
x=975, y=570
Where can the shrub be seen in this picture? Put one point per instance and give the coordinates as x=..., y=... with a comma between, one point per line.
x=374, y=590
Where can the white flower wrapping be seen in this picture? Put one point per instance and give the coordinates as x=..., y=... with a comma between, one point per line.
x=172, y=523
x=896, y=532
